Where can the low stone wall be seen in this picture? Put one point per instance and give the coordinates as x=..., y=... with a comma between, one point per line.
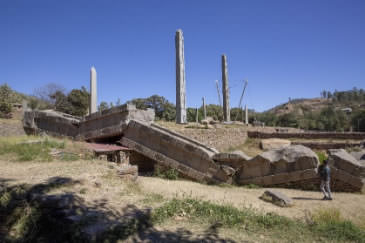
x=308, y=135
x=220, y=138
x=325, y=146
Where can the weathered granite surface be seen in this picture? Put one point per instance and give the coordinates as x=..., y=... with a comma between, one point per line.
x=98, y=125
x=189, y=157
x=274, y=143
x=277, y=198
x=234, y=159
x=283, y=163
x=52, y=122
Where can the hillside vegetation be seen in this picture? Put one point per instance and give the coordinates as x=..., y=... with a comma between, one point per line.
x=338, y=111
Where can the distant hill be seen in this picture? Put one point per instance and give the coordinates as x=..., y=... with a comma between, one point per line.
x=341, y=111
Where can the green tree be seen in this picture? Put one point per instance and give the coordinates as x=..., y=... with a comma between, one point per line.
x=103, y=106
x=215, y=111
x=164, y=110
x=287, y=120
x=5, y=101
x=358, y=121
x=79, y=101
x=60, y=102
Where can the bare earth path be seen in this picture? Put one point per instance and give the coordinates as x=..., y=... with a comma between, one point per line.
x=100, y=183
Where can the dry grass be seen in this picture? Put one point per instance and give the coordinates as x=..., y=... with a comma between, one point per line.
x=351, y=205
x=100, y=185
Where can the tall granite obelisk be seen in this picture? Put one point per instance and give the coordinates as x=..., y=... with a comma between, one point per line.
x=225, y=90
x=93, y=93
x=180, y=78
x=204, y=109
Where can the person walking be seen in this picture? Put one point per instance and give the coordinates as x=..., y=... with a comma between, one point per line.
x=325, y=174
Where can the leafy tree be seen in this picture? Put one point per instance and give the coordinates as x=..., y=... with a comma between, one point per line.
x=61, y=102
x=215, y=111
x=5, y=101
x=236, y=114
x=191, y=114
x=358, y=121
x=164, y=110
x=79, y=101
x=287, y=120
x=103, y=106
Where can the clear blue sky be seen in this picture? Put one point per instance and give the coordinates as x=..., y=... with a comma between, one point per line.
x=284, y=48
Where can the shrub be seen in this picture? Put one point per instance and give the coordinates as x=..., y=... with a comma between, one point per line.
x=321, y=156
x=170, y=174
x=5, y=109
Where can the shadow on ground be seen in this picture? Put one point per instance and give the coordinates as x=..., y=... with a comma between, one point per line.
x=29, y=214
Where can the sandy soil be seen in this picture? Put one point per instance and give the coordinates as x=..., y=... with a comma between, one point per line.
x=98, y=182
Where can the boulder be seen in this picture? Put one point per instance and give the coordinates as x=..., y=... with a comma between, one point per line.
x=342, y=160
x=277, y=198
x=128, y=171
x=207, y=121
x=228, y=170
x=288, y=159
x=233, y=159
x=274, y=143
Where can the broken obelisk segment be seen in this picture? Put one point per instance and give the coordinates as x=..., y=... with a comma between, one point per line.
x=180, y=78
x=93, y=93
x=225, y=90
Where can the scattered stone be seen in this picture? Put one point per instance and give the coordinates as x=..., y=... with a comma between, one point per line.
x=228, y=170
x=31, y=142
x=97, y=184
x=234, y=159
x=274, y=143
x=277, y=198
x=207, y=121
x=127, y=171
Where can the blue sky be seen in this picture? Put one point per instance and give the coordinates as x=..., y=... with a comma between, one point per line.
x=284, y=48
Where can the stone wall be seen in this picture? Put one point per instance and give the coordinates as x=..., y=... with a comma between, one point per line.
x=325, y=146
x=308, y=135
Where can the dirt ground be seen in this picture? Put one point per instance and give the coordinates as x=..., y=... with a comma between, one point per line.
x=98, y=182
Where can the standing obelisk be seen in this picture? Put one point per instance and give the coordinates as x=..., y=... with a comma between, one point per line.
x=204, y=109
x=93, y=93
x=180, y=78
x=225, y=90
x=246, y=115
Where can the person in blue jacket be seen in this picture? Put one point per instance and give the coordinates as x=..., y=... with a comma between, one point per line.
x=325, y=174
